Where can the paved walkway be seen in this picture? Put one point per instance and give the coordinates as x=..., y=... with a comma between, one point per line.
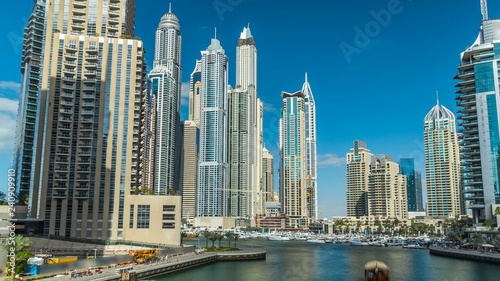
x=112, y=272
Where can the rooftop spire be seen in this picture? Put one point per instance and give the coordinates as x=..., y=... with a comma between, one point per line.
x=170, y=7
x=215, y=33
x=484, y=9
x=437, y=97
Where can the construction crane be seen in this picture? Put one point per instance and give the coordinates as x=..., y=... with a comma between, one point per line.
x=143, y=256
x=484, y=9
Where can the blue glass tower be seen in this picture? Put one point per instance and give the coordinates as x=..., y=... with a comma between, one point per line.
x=478, y=100
x=413, y=184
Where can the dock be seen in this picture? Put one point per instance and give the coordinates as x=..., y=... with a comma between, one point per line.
x=484, y=256
x=173, y=264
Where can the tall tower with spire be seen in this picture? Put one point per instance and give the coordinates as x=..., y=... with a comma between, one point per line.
x=479, y=106
x=442, y=163
x=165, y=84
x=245, y=133
x=212, y=193
x=311, y=159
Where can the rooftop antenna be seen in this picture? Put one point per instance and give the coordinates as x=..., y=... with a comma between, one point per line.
x=170, y=7
x=437, y=97
x=484, y=9
x=215, y=35
x=306, y=77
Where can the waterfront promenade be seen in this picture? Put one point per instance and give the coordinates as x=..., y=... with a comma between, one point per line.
x=168, y=265
x=468, y=254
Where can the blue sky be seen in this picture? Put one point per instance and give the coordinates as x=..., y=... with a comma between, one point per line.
x=374, y=67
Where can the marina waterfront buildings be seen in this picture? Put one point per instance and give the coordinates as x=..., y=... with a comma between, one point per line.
x=375, y=186
x=478, y=107
x=87, y=104
x=442, y=164
x=358, y=170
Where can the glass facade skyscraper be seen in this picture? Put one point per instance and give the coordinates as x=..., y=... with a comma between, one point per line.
x=478, y=100
x=413, y=185
x=212, y=195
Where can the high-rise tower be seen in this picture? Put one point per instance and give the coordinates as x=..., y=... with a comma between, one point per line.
x=245, y=133
x=293, y=180
x=165, y=83
x=386, y=189
x=358, y=171
x=311, y=168
x=442, y=163
x=212, y=179
x=85, y=165
x=85, y=143
x=478, y=101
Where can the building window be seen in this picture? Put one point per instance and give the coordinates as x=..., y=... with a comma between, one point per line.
x=131, y=216
x=143, y=216
x=169, y=208
x=168, y=225
x=168, y=217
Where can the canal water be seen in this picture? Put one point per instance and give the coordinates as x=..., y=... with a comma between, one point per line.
x=302, y=261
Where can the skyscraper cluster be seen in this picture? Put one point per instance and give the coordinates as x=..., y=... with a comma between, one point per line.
x=375, y=186
x=100, y=146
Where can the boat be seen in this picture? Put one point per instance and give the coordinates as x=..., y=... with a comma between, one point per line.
x=278, y=238
x=357, y=242
x=376, y=271
x=191, y=234
x=316, y=241
x=413, y=246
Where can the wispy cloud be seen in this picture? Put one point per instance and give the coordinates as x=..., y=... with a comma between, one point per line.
x=185, y=93
x=268, y=107
x=9, y=85
x=330, y=160
x=8, y=112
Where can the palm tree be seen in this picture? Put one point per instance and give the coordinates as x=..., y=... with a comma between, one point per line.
x=452, y=236
x=21, y=247
x=496, y=241
x=229, y=236
x=206, y=234
x=220, y=236
x=477, y=239
x=212, y=237
x=236, y=236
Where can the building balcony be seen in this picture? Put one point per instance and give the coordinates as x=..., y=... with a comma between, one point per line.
x=86, y=128
x=467, y=89
x=88, y=96
x=87, y=88
x=114, y=6
x=466, y=83
x=113, y=21
x=89, y=81
x=86, y=120
x=79, y=11
x=63, y=143
x=91, y=50
x=91, y=65
x=81, y=196
x=91, y=57
x=59, y=195
x=60, y=187
x=65, y=119
x=64, y=128
x=87, y=112
x=77, y=19
x=464, y=75
x=90, y=73
x=77, y=26
x=86, y=136
x=114, y=13
x=80, y=3
x=113, y=27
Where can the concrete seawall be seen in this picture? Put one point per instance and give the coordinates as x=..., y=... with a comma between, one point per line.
x=173, y=264
x=466, y=254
